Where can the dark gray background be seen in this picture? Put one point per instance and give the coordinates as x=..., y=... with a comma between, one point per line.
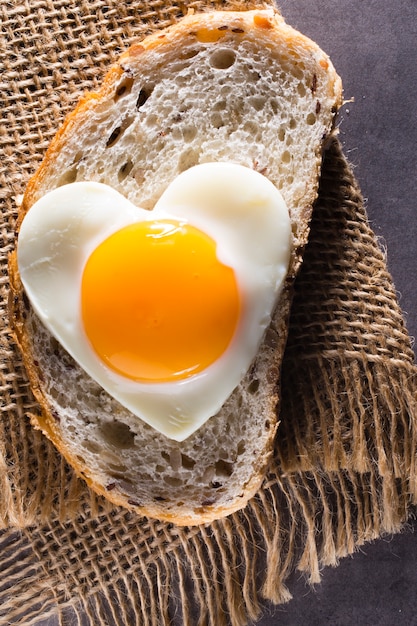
x=373, y=45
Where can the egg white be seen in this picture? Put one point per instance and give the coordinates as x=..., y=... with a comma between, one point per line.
x=237, y=207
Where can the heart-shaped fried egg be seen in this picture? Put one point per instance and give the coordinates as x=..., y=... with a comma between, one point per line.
x=165, y=309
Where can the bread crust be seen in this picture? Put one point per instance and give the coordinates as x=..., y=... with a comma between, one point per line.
x=211, y=28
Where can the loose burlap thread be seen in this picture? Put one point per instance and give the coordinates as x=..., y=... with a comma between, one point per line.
x=344, y=470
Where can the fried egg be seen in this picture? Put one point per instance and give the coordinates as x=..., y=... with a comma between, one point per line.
x=165, y=309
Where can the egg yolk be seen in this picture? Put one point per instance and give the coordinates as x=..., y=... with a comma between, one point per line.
x=157, y=304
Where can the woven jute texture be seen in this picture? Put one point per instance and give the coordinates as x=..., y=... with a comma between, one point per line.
x=344, y=470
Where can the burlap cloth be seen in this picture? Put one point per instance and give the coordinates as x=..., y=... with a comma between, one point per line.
x=345, y=463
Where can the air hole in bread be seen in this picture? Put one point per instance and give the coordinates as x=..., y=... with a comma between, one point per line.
x=253, y=386
x=117, y=434
x=125, y=485
x=92, y=446
x=251, y=128
x=144, y=94
x=294, y=230
x=271, y=337
x=217, y=120
x=187, y=462
x=189, y=53
x=222, y=59
x=111, y=458
x=124, y=88
x=172, y=481
x=70, y=176
x=257, y=102
x=281, y=134
x=134, y=502
x=223, y=469
x=208, y=501
x=189, y=133
x=114, y=137
x=151, y=119
x=139, y=176
x=311, y=119
x=118, y=132
x=115, y=467
x=188, y=159
x=58, y=397
x=297, y=70
x=175, y=459
x=274, y=106
x=78, y=156
x=220, y=105
x=301, y=89
x=118, y=472
x=208, y=474
x=223, y=454
x=124, y=171
x=286, y=157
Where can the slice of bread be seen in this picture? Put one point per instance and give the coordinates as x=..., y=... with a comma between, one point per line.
x=219, y=86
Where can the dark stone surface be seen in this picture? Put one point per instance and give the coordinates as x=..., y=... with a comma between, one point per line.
x=373, y=46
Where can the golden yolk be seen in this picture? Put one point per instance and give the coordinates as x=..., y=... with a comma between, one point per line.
x=157, y=304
